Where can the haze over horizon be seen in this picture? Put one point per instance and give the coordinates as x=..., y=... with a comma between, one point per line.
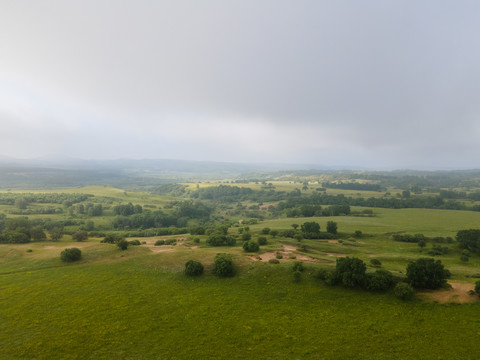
x=377, y=84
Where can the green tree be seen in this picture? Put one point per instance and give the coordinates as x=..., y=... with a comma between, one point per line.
x=80, y=236
x=351, y=271
x=332, y=227
x=310, y=228
x=426, y=273
x=123, y=244
x=404, y=291
x=56, y=233
x=251, y=246
x=37, y=233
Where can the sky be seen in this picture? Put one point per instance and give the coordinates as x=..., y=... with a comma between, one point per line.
x=360, y=84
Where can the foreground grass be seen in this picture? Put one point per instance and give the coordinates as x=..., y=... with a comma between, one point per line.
x=136, y=309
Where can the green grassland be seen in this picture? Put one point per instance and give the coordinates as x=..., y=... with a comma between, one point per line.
x=138, y=304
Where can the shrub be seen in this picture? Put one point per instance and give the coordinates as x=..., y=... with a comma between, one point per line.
x=298, y=266
x=477, y=287
x=159, y=242
x=465, y=256
x=71, y=254
x=251, y=246
x=297, y=276
x=246, y=236
x=380, y=280
x=332, y=227
x=279, y=256
x=80, y=236
x=266, y=231
x=196, y=240
x=170, y=241
x=193, y=268
x=376, y=262
x=221, y=240
x=274, y=233
x=358, y=234
x=122, y=244
x=404, y=291
x=426, y=273
x=112, y=238
x=223, y=265
x=262, y=240
x=322, y=274
x=29, y=250
x=274, y=261
x=134, y=242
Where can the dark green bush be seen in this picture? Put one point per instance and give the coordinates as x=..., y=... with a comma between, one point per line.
x=122, y=244
x=262, y=240
x=351, y=271
x=477, y=287
x=246, y=236
x=71, y=254
x=298, y=266
x=266, y=231
x=251, y=246
x=170, y=241
x=112, y=238
x=321, y=274
x=134, y=242
x=193, y=268
x=279, y=256
x=80, y=236
x=223, y=265
x=159, y=242
x=380, y=280
x=404, y=291
x=426, y=273
x=274, y=261
x=29, y=250
x=376, y=262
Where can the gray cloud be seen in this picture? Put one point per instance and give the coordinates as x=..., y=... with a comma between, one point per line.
x=377, y=83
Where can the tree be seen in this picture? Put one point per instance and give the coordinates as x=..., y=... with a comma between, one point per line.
x=251, y=246
x=310, y=229
x=350, y=271
x=21, y=203
x=80, y=236
x=193, y=268
x=56, y=233
x=274, y=233
x=71, y=254
x=332, y=227
x=469, y=239
x=380, y=280
x=112, y=238
x=223, y=265
x=37, y=233
x=295, y=226
x=422, y=243
x=426, y=273
x=477, y=287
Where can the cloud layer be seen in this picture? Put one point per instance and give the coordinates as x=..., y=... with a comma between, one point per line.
x=361, y=84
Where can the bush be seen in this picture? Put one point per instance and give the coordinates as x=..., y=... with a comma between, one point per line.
x=71, y=254
x=358, y=234
x=80, y=236
x=426, y=273
x=380, y=280
x=246, y=236
x=251, y=246
x=477, y=287
x=376, y=262
x=196, y=240
x=321, y=274
x=159, y=242
x=279, y=256
x=112, y=238
x=193, y=268
x=465, y=256
x=134, y=242
x=404, y=291
x=262, y=240
x=221, y=240
x=298, y=266
x=297, y=276
x=223, y=265
x=266, y=231
x=29, y=250
x=122, y=244
x=332, y=227
x=170, y=241
x=274, y=261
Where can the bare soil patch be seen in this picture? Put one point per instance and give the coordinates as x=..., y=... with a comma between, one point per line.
x=334, y=254
x=77, y=245
x=459, y=293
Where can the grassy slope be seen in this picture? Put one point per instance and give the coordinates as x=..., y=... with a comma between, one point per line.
x=137, y=309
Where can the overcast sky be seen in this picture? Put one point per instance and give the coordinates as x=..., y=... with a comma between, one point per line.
x=343, y=83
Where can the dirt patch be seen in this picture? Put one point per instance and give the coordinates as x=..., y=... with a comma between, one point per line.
x=335, y=254
x=333, y=241
x=159, y=249
x=459, y=293
x=77, y=245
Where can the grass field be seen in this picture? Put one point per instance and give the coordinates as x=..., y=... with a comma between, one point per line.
x=135, y=308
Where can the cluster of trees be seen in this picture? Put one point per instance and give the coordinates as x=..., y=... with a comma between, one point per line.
x=311, y=230
x=352, y=186
x=469, y=240
x=127, y=209
x=21, y=230
x=21, y=200
x=309, y=210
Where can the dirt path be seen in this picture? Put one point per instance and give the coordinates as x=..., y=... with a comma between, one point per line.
x=459, y=293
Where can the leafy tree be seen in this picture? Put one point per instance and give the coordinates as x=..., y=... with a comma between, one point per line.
x=298, y=266
x=71, y=254
x=37, y=233
x=246, y=236
x=112, y=238
x=477, y=287
x=426, y=273
x=223, y=265
x=295, y=226
x=469, y=239
x=251, y=246
x=351, y=271
x=193, y=268
x=274, y=233
x=266, y=231
x=21, y=203
x=262, y=240
x=465, y=256
x=375, y=262
x=80, y=236
x=56, y=233
x=332, y=227
x=422, y=243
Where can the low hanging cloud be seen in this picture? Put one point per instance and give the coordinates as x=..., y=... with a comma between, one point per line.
x=367, y=84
